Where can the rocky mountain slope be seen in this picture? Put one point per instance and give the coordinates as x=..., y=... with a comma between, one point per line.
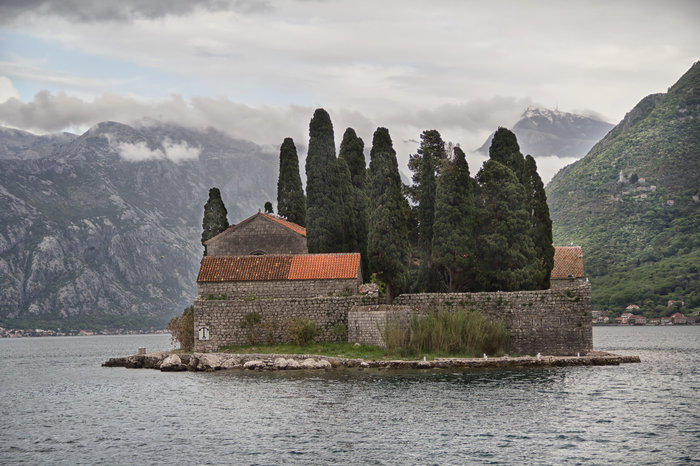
x=543, y=132
x=633, y=203
x=103, y=229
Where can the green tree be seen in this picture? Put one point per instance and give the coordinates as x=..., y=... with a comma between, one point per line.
x=324, y=229
x=454, y=243
x=540, y=223
x=352, y=153
x=506, y=251
x=291, y=202
x=388, y=247
x=505, y=149
x=425, y=164
x=181, y=329
x=214, y=221
x=352, y=150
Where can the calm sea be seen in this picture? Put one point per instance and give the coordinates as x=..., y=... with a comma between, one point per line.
x=58, y=405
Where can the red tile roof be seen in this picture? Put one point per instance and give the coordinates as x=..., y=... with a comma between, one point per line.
x=568, y=262
x=324, y=266
x=279, y=267
x=286, y=223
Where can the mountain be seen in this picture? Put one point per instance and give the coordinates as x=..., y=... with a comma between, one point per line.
x=633, y=203
x=103, y=229
x=543, y=132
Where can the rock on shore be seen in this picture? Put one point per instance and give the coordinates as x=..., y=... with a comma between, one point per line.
x=172, y=362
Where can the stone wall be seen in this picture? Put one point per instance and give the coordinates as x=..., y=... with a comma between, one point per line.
x=222, y=319
x=553, y=322
x=260, y=235
x=279, y=288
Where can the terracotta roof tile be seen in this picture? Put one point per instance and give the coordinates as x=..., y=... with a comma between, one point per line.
x=286, y=223
x=244, y=268
x=279, y=267
x=568, y=261
x=324, y=266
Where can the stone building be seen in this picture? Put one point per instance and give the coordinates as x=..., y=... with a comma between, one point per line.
x=257, y=235
x=568, y=267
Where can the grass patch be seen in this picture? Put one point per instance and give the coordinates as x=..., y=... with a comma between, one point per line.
x=445, y=332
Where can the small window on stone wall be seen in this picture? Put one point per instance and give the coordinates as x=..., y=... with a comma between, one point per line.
x=257, y=252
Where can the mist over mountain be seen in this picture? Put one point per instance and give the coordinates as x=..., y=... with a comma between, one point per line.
x=103, y=229
x=543, y=132
x=633, y=203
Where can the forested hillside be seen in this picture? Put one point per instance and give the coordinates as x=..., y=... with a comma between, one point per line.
x=633, y=204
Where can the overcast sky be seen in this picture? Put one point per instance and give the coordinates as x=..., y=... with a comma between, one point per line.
x=258, y=69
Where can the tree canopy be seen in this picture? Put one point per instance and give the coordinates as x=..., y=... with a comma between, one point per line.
x=291, y=202
x=214, y=220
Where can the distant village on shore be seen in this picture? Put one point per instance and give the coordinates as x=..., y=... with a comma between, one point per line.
x=38, y=332
x=630, y=317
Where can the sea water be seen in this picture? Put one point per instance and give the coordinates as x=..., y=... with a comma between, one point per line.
x=59, y=406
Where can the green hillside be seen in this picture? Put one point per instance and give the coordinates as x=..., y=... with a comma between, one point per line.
x=633, y=204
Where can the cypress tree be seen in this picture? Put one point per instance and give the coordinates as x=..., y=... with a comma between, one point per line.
x=505, y=149
x=324, y=230
x=352, y=153
x=506, y=249
x=424, y=164
x=214, y=220
x=540, y=223
x=454, y=243
x=291, y=202
x=388, y=247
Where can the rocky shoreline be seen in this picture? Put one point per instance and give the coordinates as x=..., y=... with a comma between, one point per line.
x=169, y=362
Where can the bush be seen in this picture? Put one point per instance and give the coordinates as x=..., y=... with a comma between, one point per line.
x=250, y=322
x=181, y=329
x=340, y=331
x=449, y=333
x=395, y=335
x=300, y=331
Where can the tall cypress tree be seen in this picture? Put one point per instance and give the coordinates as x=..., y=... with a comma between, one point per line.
x=505, y=149
x=352, y=150
x=324, y=229
x=291, y=202
x=352, y=153
x=506, y=249
x=454, y=242
x=388, y=247
x=214, y=220
x=540, y=223
x=424, y=164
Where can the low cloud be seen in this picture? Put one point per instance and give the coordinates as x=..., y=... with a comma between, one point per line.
x=174, y=151
x=7, y=90
x=121, y=10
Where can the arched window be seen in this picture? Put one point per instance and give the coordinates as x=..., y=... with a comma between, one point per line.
x=257, y=252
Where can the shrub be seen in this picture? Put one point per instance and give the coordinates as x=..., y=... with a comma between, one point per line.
x=181, y=329
x=457, y=332
x=250, y=323
x=300, y=331
x=269, y=328
x=447, y=332
x=395, y=335
x=340, y=331
x=380, y=284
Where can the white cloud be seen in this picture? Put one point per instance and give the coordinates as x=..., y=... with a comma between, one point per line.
x=7, y=90
x=140, y=151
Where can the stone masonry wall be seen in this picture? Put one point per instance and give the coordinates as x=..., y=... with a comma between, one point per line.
x=258, y=236
x=223, y=319
x=278, y=289
x=553, y=322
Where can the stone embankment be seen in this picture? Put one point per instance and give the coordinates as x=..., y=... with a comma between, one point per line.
x=166, y=361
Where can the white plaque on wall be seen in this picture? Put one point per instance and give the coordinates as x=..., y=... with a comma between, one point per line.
x=203, y=333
